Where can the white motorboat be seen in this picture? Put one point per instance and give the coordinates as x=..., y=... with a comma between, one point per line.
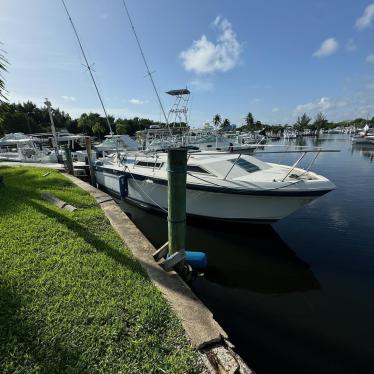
x=220, y=186
x=289, y=134
x=25, y=148
x=118, y=143
x=366, y=136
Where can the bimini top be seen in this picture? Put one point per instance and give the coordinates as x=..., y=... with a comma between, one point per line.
x=182, y=91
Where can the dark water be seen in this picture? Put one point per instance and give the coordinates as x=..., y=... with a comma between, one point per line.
x=298, y=296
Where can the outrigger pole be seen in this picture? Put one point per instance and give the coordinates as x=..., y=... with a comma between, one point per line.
x=88, y=67
x=146, y=66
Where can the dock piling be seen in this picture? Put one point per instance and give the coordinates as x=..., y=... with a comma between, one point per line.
x=89, y=158
x=177, y=174
x=69, y=161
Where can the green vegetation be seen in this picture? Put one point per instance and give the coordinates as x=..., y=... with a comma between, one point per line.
x=28, y=118
x=217, y=121
x=249, y=121
x=72, y=298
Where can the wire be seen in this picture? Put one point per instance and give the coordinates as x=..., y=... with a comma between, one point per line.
x=146, y=65
x=145, y=193
x=88, y=66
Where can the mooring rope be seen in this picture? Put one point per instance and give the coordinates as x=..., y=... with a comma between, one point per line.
x=145, y=193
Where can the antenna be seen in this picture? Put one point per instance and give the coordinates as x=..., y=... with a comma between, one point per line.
x=88, y=66
x=146, y=65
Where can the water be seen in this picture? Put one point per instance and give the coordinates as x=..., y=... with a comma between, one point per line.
x=297, y=296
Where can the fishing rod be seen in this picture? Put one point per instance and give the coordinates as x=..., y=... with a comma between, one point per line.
x=88, y=67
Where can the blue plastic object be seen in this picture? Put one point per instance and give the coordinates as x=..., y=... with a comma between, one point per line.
x=197, y=260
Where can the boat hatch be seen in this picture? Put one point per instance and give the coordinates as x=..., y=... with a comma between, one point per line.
x=197, y=169
x=244, y=164
x=149, y=164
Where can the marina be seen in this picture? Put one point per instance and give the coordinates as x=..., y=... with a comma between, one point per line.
x=186, y=204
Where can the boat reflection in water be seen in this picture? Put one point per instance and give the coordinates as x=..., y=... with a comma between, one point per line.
x=253, y=257
x=365, y=149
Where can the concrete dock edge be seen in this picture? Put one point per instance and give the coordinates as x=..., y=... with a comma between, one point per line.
x=217, y=354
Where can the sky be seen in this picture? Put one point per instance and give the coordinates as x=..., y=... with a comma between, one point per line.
x=274, y=58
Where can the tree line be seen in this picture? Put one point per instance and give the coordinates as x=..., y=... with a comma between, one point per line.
x=29, y=118
x=302, y=123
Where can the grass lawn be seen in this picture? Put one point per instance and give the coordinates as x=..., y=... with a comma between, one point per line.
x=72, y=298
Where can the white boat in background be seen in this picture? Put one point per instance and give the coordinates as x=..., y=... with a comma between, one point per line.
x=220, y=186
x=179, y=134
x=25, y=148
x=118, y=143
x=289, y=134
x=366, y=136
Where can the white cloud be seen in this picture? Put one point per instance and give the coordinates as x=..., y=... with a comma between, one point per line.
x=321, y=104
x=351, y=45
x=202, y=85
x=256, y=100
x=205, y=57
x=137, y=101
x=275, y=110
x=327, y=48
x=367, y=19
x=68, y=98
x=370, y=58
x=370, y=86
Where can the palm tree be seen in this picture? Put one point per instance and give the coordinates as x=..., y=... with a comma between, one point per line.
x=302, y=122
x=225, y=124
x=320, y=121
x=217, y=120
x=249, y=121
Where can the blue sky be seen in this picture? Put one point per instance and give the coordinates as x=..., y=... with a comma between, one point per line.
x=275, y=58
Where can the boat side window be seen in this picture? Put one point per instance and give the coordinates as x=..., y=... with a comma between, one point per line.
x=196, y=169
x=246, y=165
x=149, y=164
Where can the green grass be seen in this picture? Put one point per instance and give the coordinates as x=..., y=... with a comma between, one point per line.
x=72, y=297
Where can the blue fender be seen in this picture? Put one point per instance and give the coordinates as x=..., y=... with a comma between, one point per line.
x=197, y=260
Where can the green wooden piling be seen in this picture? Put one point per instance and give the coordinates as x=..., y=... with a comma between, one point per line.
x=177, y=174
x=69, y=161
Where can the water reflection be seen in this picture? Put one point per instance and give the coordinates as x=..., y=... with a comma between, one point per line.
x=252, y=257
x=365, y=150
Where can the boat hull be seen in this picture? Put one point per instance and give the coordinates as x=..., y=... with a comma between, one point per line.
x=207, y=203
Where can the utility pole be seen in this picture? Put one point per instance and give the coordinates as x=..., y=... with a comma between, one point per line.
x=55, y=144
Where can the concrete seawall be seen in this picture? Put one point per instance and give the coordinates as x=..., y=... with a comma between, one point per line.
x=206, y=335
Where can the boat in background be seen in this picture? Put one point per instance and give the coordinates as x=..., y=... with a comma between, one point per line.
x=289, y=134
x=366, y=136
x=25, y=148
x=177, y=133
x=118, y=143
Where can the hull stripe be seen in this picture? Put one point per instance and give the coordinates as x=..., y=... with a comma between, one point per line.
x=226, y=190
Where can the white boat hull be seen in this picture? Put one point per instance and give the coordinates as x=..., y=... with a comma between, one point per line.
x=214, y=205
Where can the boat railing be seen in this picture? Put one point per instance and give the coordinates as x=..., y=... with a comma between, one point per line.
x=303, y=152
